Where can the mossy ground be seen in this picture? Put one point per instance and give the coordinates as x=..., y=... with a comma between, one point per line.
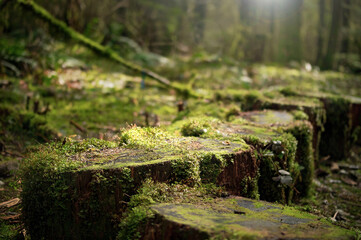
x=101, y=100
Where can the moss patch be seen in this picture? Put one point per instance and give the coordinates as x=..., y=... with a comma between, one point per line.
x=243, y=218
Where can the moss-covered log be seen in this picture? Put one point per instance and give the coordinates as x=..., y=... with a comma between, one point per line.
x=95, y=46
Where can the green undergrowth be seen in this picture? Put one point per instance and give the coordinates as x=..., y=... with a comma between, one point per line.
x=23, y=126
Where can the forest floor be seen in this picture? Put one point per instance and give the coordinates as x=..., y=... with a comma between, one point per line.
x=87, y=97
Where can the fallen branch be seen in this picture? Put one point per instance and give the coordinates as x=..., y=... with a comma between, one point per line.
x=45, y=15
x=77, y=126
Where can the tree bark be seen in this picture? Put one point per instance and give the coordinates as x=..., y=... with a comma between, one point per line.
x=290, y=33
x=321, y=27
x=328, y=61
x=200, y=11
x=345, y=26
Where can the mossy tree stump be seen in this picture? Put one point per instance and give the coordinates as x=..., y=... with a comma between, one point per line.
x=342, y=122
x=294, y=123
x=282, y=101
x=79, y=190
x=275, y=151
x=236, y=218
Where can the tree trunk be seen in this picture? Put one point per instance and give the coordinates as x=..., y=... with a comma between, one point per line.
x=345, y=26
x=200, y=10
x=244, y=12
x=290, y=33
x=328, y=61
x=321, y=27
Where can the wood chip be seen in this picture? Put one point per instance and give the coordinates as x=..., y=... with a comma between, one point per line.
x=10, y=203
x=349, y=181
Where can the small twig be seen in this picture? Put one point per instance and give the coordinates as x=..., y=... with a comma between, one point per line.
x=77, y=126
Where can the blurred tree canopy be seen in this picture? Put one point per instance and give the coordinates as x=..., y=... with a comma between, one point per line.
x=326, y=33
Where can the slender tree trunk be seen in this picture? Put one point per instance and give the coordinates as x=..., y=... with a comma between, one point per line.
x=200, y=11
x=328, y=61
x=244, y=11
x=321, y=27
x=345, y=26
x=290, y=33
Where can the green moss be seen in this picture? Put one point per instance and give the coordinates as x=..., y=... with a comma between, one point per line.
x=335, y=140
x=93, y=176
x=7, y=232
x=147, y=138
x=283, y=148
x=49, y=180
x=259, y=220
x=251, y=100
x=249, y=187
x=211, y=166
x=281, y=157
x=186, y=170
x=134, y=221
x=24, y=124
x=132, y=226
x=303, y=132
x=198, y=127
x=195, y=128
x=299, y=115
